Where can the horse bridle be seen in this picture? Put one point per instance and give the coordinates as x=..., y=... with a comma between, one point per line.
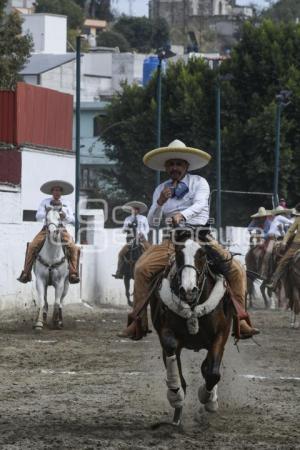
x=200, y=281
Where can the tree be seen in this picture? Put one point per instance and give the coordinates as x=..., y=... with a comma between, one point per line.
x=283, y=11
x=67, y=8
x=143, y=34
x=130, y=124
x=14, y=48
x=262, y=63
x=97, y=9
x=113, y=39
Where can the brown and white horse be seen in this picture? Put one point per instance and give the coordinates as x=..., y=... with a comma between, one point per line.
x=191, y=310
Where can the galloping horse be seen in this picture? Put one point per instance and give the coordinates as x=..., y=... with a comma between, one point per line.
x=135, y=250
x=51, y=268
x=291, y=283
x=191, y=310
x=253, y=261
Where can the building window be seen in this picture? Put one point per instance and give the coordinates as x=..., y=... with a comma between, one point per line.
x=97, y=126
x=29, y=215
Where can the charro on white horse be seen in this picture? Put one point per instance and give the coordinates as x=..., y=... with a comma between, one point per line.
x=51, y=268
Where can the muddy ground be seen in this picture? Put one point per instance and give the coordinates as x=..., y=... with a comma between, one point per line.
x=84, y=388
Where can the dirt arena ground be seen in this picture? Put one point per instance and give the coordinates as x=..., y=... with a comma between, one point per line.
x=84, y=388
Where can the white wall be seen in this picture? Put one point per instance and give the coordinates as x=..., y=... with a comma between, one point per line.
x=49, y=32
x=39, y=166
x=62, y=78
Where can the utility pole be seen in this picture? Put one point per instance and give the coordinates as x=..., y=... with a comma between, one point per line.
x=77, y=136
x=282, y=100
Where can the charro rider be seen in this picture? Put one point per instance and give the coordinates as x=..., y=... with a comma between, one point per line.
x=185, y=197
x=136, y=221
x=56, y=189
x=260, y=224
x=289, y=246
x=275, y=233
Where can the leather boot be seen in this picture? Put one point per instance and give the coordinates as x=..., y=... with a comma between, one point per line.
x=24, y=277
x=246, y=331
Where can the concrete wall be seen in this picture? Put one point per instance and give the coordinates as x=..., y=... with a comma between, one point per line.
x=62, y=79
x=49, y=32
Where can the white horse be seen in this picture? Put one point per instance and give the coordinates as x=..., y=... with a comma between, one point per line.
x=51, y=268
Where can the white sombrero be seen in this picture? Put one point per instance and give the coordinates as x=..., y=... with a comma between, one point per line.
x=262, y=212
x=66, y=187
x=280, y=210
x=295, y=212
x=156, y=159
x=134, y=204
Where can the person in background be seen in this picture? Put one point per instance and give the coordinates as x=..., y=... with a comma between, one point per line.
x=135, y=223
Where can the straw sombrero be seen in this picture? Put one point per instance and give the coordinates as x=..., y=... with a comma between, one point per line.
x=262, y=212
x=296, y=211
x=134, y=204
x=280, y=210
x=156, y=159
x=66, y=187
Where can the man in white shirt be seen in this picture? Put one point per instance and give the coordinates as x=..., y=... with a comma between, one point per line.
x=277, y=230
x=56, y=188
x=136, y=225
x=185, y=197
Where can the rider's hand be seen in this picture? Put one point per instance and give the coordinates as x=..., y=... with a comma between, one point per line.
x=62, y=215
x=282, y=247
x=165, y=194
x=178, y=218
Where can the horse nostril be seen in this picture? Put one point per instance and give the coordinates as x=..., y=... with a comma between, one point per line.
x=181, y=292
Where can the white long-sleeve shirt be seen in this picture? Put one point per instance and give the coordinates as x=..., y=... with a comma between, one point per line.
x=66, y=208
x=278, y=225
x=194, y=206
x=142, y=224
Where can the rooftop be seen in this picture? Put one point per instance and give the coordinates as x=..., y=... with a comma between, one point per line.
x=43, y=62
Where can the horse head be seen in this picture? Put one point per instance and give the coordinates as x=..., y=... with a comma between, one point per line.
x=190, y=263
x=53, y=222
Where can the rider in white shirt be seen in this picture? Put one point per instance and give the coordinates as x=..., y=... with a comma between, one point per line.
x=276, y=231
x=184, y=198
x=136, y=226
x=56, y=188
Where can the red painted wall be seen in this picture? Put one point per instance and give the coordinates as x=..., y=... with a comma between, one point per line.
x=10, y=166
x=37, y=116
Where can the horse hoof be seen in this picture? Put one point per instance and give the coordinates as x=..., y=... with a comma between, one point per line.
x=38, y=328
x=212, y=406
x=209, y=398
x=176, y=399
x=177, y=417
x=296, y=325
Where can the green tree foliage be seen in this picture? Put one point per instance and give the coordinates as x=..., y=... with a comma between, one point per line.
x=265, y=61
x=14, y=48
x=283, y=11
x=96, y=9
x=113, y=39
x=129, y=127
x=143, y=34
x=68, y=8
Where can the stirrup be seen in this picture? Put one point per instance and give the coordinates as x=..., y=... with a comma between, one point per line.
x=74, y=278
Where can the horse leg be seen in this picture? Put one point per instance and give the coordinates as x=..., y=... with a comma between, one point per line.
x=41, y=292
x=57, y=312
x=45, y=309
x=127, y=290
x=208, y=393
x=295, y=307
x=263, y=293
x=175, y=381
